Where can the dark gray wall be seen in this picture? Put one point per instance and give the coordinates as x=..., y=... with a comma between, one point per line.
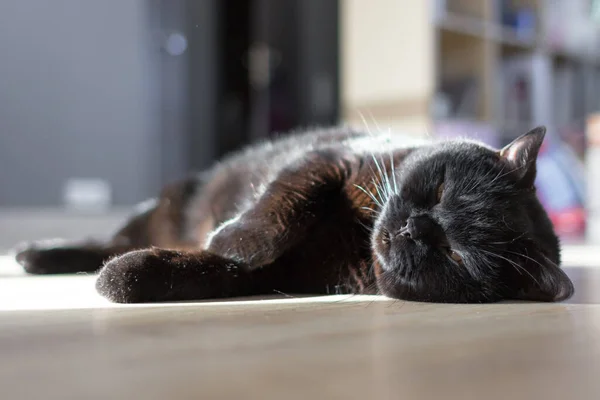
x=78, y=98
x=202, y=110
x=318, y=59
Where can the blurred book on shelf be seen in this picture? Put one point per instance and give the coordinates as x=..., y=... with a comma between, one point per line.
x=515, y=92
x=457, y=98
x=520, y=17
x=571, y=26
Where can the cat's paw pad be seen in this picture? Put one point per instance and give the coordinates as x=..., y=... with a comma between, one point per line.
x=136, y=277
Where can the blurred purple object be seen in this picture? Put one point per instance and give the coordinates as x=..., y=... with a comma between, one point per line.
x=560, y=187
x=454, y=129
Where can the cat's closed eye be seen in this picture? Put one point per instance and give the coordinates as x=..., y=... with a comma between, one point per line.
x=440, y=192
x=454, y=256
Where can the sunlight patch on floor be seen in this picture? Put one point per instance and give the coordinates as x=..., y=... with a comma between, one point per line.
x=21, y=292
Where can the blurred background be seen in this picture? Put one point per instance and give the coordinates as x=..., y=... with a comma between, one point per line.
x=104, y=101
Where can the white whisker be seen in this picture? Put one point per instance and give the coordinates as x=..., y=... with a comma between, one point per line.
x=381, y=196
x=393, y=173
x=531, y=259
x=370, y=195
x=370, y=209
x=385, y=184
x=517, y=267
x=388, y=187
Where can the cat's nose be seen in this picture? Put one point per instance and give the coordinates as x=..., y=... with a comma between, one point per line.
x=405, y=231
x=416, y=228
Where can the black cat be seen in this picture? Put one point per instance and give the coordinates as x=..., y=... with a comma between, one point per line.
x=336, y=211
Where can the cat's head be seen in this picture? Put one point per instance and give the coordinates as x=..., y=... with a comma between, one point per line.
x=465, y=225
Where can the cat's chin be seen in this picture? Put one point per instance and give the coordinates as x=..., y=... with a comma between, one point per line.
x=399, y=257
x=412, y=283
x=383, y=262
x=408, y=291
x=392, y=256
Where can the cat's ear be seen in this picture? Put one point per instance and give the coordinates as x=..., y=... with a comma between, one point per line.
x=521, y=154
x=544, y=283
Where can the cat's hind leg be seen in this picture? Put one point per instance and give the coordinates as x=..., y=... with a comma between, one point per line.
x=65, y=257
x=157, y=222
x=57, y=256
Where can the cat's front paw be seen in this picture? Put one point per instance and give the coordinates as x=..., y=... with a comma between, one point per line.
x=136, y=277
x=157, y=275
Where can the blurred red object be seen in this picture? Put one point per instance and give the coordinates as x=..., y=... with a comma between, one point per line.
x=569, y=223
x=561, y=187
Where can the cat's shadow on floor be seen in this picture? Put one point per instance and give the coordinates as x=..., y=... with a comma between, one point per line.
x=585, y=279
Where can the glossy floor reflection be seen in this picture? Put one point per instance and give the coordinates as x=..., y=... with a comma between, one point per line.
x=302, y=349
x=587, y=285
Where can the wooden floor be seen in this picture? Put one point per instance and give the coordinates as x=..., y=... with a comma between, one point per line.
x=323, y=348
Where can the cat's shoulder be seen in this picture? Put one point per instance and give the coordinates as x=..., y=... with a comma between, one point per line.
x=273, y=153
x=385, y=141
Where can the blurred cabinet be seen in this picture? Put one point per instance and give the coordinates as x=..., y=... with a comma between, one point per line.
x=75, y=99
x=387, y=62
x=104, y=101
x=509, y=64
x=279, y=68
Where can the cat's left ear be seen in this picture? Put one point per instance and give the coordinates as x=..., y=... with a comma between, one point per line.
x=521, y=154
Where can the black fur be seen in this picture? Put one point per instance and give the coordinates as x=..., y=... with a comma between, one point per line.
x=322, y=212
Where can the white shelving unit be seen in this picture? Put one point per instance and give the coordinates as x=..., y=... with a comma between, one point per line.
x=398, y=56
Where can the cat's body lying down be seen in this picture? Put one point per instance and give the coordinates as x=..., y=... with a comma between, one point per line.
x=336, y=211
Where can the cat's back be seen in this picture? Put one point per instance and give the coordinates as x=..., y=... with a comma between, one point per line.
x=243, y=175
x=238, y=180
x=235, y=183
x=275, y=154
x=280, y=151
